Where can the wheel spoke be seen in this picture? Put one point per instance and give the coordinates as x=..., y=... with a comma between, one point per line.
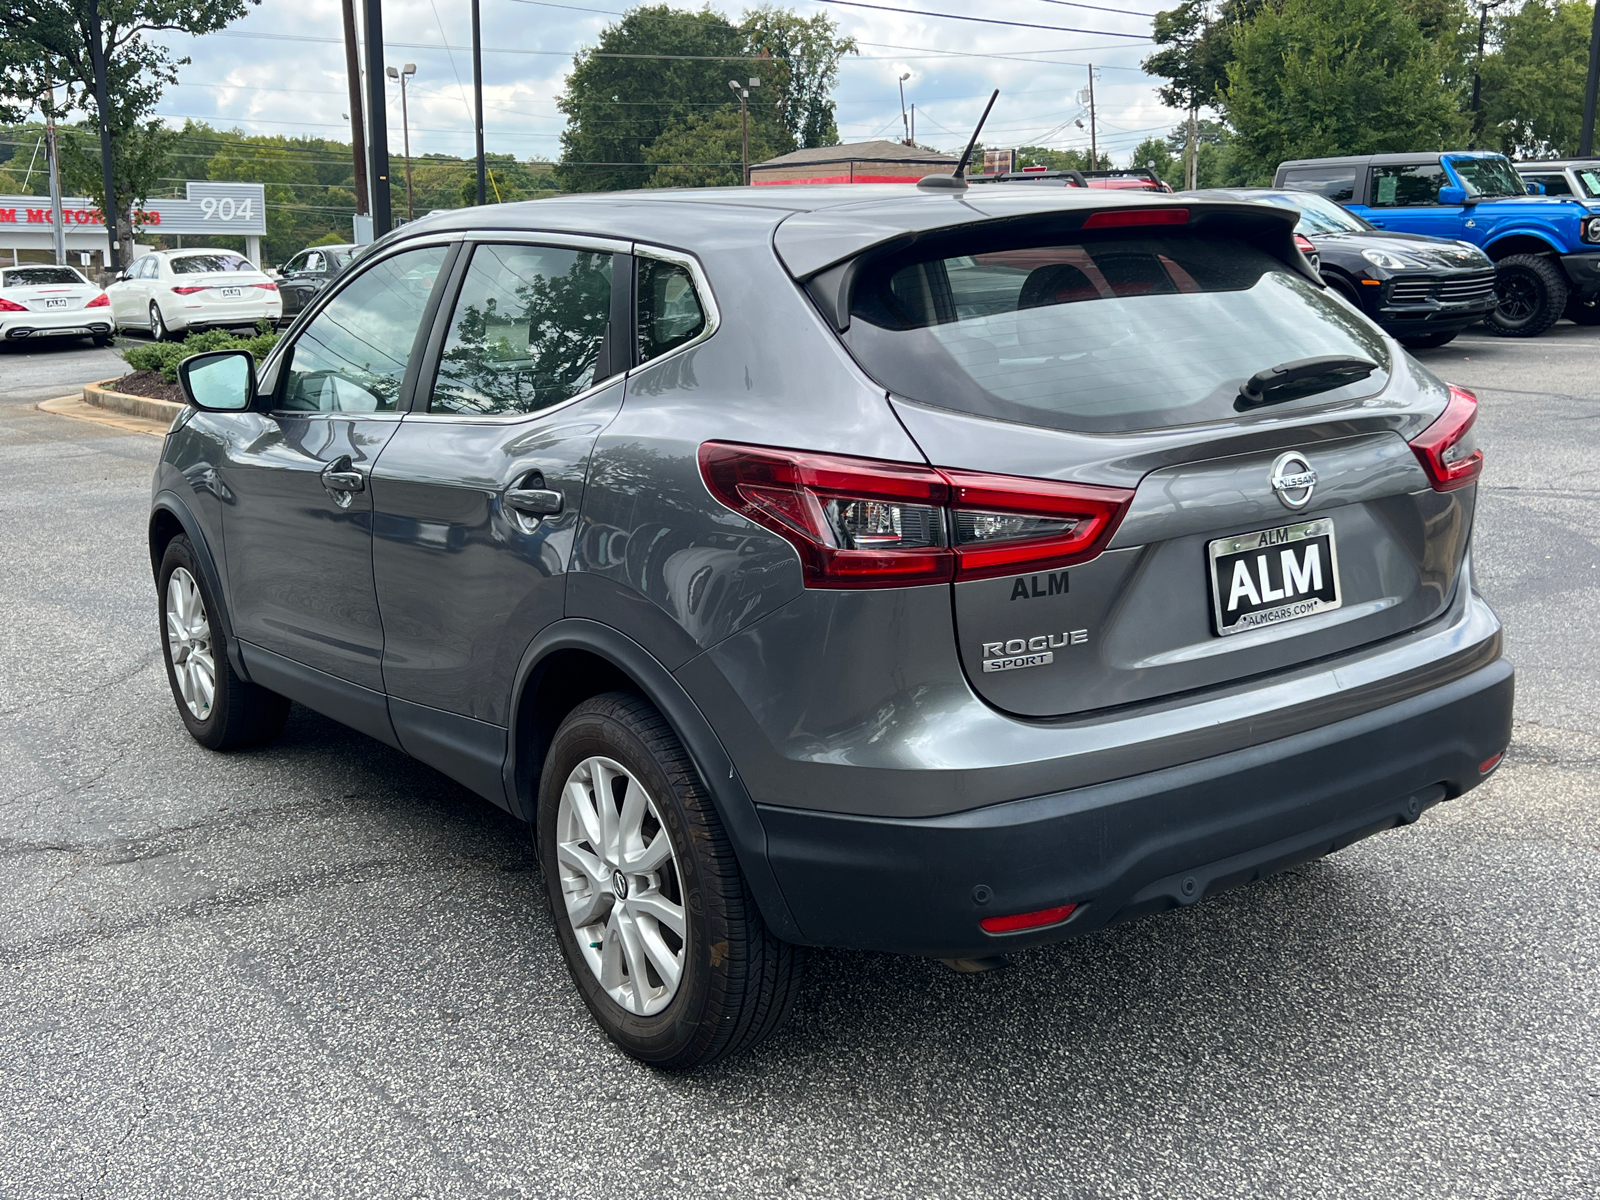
x=666, y=963
x=585, y=908
x=606, y=806
x=583, y=813
x=611, y=955
x=633, y=951
x=656, y=906
x=651, y=857
x=630, y=825
x=205, y=684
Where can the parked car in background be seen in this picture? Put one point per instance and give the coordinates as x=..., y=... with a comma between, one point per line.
x=1578, y=178
x=1546, y=249
x=308, y=272
x=176, y=291
x=1422, y=290
x=1133, y=179
x=39, y=301
x=944, y=574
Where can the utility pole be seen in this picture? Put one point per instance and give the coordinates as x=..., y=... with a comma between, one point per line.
x=1094, y=156
x=904, y=124
x=477, y=94
x=102, y=101
x=1586, y=141
x=377, y=122
x=913, y=122
x=1477, y=67
x=58, y=227
x=405, y=127
x=358, y=133
x=1191, y=151
x=743, y=93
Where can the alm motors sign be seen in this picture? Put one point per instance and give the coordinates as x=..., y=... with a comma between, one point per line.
x=236, y=209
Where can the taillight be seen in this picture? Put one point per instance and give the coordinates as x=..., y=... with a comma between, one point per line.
x=10, y=306
x=188, y=291
x=861, y=523
x=266, y=287
x=1119, y=217
x=1307, y=247
x=1447, y=449
x=100, y=301
x=1030, y=920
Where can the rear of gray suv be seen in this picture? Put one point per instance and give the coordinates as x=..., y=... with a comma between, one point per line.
x=869, y=567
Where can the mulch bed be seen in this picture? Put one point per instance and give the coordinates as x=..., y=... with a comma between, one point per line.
x=147, y=383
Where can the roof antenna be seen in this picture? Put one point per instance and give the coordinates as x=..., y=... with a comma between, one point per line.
x=956, y=181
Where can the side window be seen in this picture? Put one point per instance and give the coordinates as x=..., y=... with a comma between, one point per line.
x=669, y=311
x=147, y=267
x=314, y=263
x=1407, y=186
x=352, y=356
x=1554, y=185
x=296, y=264
x=527, y=330
x=1335, y=182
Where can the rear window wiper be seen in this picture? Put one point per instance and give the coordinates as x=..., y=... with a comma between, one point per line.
x=1301, y=377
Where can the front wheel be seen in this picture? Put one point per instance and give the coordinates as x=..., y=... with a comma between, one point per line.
x=220, y=710
x=656, y=923
x=1430, y=341
x=1533, y=295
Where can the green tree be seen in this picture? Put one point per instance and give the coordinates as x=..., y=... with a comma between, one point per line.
x=705, y=151
x=1154, y=154
x=1533, y=84
x=617, y=107
x=46, y=45
x=806, y=53
x=1054, y=160
x=1319, y=77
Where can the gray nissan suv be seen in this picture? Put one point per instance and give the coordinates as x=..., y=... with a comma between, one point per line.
x=897, y=568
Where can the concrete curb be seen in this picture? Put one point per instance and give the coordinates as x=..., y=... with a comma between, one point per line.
x=101, y=396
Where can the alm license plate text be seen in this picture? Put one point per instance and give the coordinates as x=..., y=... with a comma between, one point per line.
x=1274, y=575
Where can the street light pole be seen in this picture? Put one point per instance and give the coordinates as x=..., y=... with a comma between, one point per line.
x=58, y=225
x=743, y=93
x=409, y=70
x=904, y=124
x=377, y=123
x=1094, y=155
x=477, y=94
x=358, y=133
x=1586, y=140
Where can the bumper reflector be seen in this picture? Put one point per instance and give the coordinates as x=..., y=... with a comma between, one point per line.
x=1490, y=764
x=1031, y=920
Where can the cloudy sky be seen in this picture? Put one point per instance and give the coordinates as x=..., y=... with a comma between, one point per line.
x=281, y=70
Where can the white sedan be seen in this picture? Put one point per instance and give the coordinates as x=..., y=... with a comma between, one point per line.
x=44, y=301
x=176, y=291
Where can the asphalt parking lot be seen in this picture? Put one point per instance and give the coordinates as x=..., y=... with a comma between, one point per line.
x=319, y=969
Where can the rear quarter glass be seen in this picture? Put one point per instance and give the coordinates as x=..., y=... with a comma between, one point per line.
x=1099, y=334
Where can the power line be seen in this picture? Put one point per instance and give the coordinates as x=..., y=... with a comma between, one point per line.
x=919, y=12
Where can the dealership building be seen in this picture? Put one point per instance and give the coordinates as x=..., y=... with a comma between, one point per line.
x=862, y=162
x=206, y=209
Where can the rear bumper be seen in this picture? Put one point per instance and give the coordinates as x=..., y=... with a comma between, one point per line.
x=79, y=322
x=1136, y=845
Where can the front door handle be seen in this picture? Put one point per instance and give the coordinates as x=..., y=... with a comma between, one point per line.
x=343, y=480
x=530, y=496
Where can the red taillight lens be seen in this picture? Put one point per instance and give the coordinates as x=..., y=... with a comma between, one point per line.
x=100, y=301
x=861, y=523
x=266, y=287
x=11, y=306
x=1305, y=244
x=188, y=291
x=1031, y=920
x=1447, y=449
x=1490, y=764
x=1120, y=217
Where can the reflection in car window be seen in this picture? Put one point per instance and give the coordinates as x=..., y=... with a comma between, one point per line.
x=352, y=357
x=1489, y=177
x=1336, y=183
x=1554, y=185
x=1317, y=215
x=200, y=264
x=1407, y=186
x=35, y=276
x=669, y=311
x=527, y=330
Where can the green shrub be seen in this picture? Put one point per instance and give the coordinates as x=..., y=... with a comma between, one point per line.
x=165, y=356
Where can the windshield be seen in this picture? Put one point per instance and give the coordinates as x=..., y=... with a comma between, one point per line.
x=1318, y=214
x=1489, y=177
x=1107, y=334
x=200, y=264
x=34, y=276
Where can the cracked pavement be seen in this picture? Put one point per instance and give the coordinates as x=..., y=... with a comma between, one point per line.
x=320, y=969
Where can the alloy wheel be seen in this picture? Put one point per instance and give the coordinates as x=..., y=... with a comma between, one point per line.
x=189, y=643
x=621, y=884
x=1519, y=299
x=158, y=324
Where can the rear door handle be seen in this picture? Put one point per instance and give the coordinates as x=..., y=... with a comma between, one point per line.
x=530, y=496
x=343, y=480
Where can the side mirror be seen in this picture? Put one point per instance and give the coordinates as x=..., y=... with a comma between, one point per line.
x=221, y=381
x=1452, y=195
x=1534, y=189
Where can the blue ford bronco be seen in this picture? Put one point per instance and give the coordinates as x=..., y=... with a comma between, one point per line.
x=1546, y=249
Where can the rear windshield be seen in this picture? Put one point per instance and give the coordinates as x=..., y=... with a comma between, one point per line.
x=201, y=264
x=34, y=276
x=1102, y=335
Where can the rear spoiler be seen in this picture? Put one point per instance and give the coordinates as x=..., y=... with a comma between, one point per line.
x=830, y=287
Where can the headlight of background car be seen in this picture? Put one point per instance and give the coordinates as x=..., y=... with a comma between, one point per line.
x=1591, y=229
x=1382, y=258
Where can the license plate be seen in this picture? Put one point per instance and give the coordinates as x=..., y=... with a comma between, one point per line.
x=61, y=303
x=1273, y=576
x=231, y=293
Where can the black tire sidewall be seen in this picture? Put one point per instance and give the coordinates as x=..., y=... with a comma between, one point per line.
x=1552, y=300
x=667, y=1036
x=209, y=732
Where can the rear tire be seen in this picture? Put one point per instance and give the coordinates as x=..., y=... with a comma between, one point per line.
x=1431, y=341
x=220, y=710
x=724, y=982
x=158, y=324
x=1533, y=295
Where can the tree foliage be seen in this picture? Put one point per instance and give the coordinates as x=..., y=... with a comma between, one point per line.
x=1318, y=77
x=806, y=51
x=1533, y=86
x=705, y=151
